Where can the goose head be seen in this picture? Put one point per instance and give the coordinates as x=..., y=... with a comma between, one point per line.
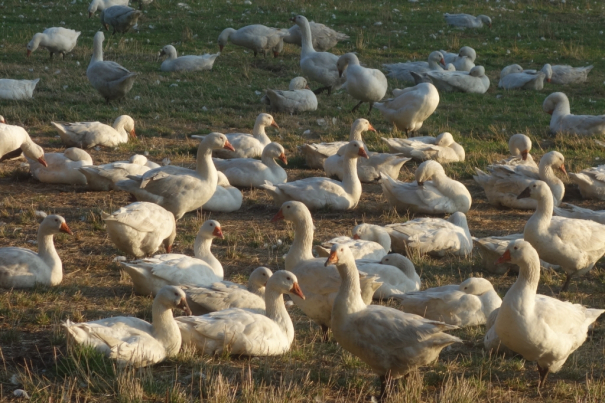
x=260, y=276
x=444, y=139
x=223, y=38
x=344, y=61
x=285, y=282
x=436, y=57
x=519, y=144
x=361, y=125
x=340, y=255
x=401, y=262
x=427, y=170
x=264, y=119
x=355, y=150
x=459, y=219
x=547, y=70
x=512, y=69
x=477, y=71
x=92, y=8
x=34, y=43
x=300, y=20
x=125, y=122
x=217, y=141
x=537, y=190
x=275, y=150
x=365, y=231
x=519, y=252
x=468, y=52
x=298, y=83
x=485, y=19
x=291, y=211
x=476, y=286
x=172, y=297
x=553, y=100
x=53, y=224
x=168, y=50
x=77, y=154
x=138, y=159
x=211, y=229
x=554, y=159
x=33, y=151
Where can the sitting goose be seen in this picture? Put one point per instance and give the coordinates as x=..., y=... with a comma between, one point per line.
x=61, y=167
x=186, y=63
x=15, y=140
x=22, y=268
x=475, y=81
x=464, y=60
x=363, y=84
x=298, y=98
x=562, y=121
x=324, y=38
x=563, y=74
x=132, y=341
x=514, y=77
x=104, y=177
x=56, y=40
x=467, y=20
x=432, y=192
x=248, y=172
x=17, y=90
x=226, y=198
x=120, y=18
x=90, y=134
x=442, y=148
x=590, y=181
x=369, y=242
x=402, y=71
x=519, y=146
x=109, y=78
x=101, y=5
x=258, y=38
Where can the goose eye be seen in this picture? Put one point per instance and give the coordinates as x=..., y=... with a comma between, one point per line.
x=56, y=220
x=211, y=225
x=287, y=206
x=515, y=248
x=534, y=185
x=287, y=278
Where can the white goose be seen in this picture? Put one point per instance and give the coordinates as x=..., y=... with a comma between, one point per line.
x=402, y=71
x=17, y=90
x=319, y=283
x=132, y=341
x=464, y=60
x=22, y=268
x=298, y=98
x=258, y=38
x=591, y=182
x=61, y=167
x=391, y=342
x=101, y=5
x=186, y=63
x=538, y=327
x=369, y=242
x=56, y=40
x=109, y=78
x=475, y=81
x=14, y=140
x=575, y=245
x=242, y=332
x=563, y=74
x=410, y=107
x=467, y=20
x=324, y=38
x=178, y=189
x=469, y=304
x=432, y=192
x=396, y=273
x=519, y=146
x=318, y=193
x=104, y=177
x=442, y=149
x=514, y=77
x=226, y=295
x=317, y=66
x=120, y=18
x=562, y=121
x=140, y=228
x=226, y=198
x=363, y=84
x=248, y=172
x=504, y=182
x=90, y=134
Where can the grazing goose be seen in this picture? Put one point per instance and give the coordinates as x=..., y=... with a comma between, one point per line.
x=514, y=77
x=242, y=332
x=442, y=148
x=22, y=268
x=298, y=98
x=17, y=90
x=317, y=66
x=319, y=283
x=120, y=18
x=90, y=134
x=410, y=107
x=56, y=40
x=14, y=140
x=132, y=341
x=538, y=327
x=248, y=172
x=140, y=228
x=318, y=193
x=391, y=342
x=562, y=121
x=467, y=20
x=226, y=198
x=104, y=177
x=519, y=146
x=505, y=182
x=464, y=60
x=324, y=38
x=180, y=190
x=61, y=167
x=563, y=74
x=590, y=181
x=226, y=295
x=575, y=245
x=363, y=84
x=475, y=81
x=469, y=304
x=403, y=71
x=104, y=4
x=432, y=192
x=186, y=63
x=109, y=78
x=258, y=38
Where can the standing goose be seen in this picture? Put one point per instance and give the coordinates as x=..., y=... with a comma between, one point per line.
x=56, y=40
x=318, y=193
x=391, y=342
x=186, y=63
x=242, y=332
x=180, y=190
x=562, y=121
x=563, y=74
x=90, y=134
x=467, y=20
x=22, y=268
x=363, y=84
x=403, y=71
x=324, y=38
x=575, y=245
x=61, y=167
x=317, y=66
x=120, y=18
x=14, y=140
x=298, y=98
x=258, y=38
x=538, y=327
x=442, y=148
x=132, y=341
x=101, y=5
x=109, y=78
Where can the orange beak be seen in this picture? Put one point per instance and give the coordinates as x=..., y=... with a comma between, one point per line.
x=504, y=258
x=274, y=124
x=524, y=154
x=65, y=228
x=371, y=128
x=332, y=259
x=228, y=146
x=218, y=233
x=220, y=47
x=42, y=161
x=562, y=168
x=278, y=216
x=133, y=133
x=339, y=73
x=89, y=14
x=307, y=87
x=442, y=61
x=297, y=291
x=184, y=306
x=282, y=158
x=362, y=153
x=356, y=236
x=29, y=52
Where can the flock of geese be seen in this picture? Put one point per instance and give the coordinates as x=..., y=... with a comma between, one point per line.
x=334, y=283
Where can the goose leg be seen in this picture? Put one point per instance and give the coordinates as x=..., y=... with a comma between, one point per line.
x=11, y=155
x=255, y=53
x=566, y=284
x=51, y=55
x=371, y=106
x=325, y=336
x=384, y=380
x=543, y=374
x=356, y=106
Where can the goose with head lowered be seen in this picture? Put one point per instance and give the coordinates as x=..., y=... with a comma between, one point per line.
x=538, y=327
x=56, y=40
x=474, y=81
x=61, y=167
x=14, y=141
x=563, y=74
x=104, y=177
x=22, y=268
x=298, y=98
x=100, y=5
x=443, y=148
x=391, y=342
x=519, y=146
x=370, y=242
x=514, y=77
x=178, y=189
x=258, y=38
x=132, y=341
x=404, y=71
x=363, y=84
x=186, y=63
x=562, y=121
x=90, y=134
x=120, y=18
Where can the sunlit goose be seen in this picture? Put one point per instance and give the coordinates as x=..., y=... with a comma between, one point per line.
x=464, y=60
x=467, y=20
x=504, y=182
x=374, y=249
x=23, y=268
x=562, y=121
x=475, y=81
x=258, y=38
x=519, y=146
x=186, y=63
x=391, y=342
x=90, y=134
x=396, y=274
x=133, y=341
x=442, y=149
x=104, y=177
x=249, y=172
x=120, y=18
x=324, y=38
x=514, y=77
x=17, y=90
x=101, y=5
x=432, y=192
x=14, y=140
x=402, y=71
x=226, y=198
x=543, y=329
x=61, y=167
x=363, y=84
x=55, y=40
x=591, y=182
x=298, y=98
x=563, y=74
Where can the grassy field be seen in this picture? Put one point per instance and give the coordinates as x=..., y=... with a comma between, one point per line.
x=170, y=107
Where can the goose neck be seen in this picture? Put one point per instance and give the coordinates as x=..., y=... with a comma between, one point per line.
x=259, y=133
x=348, y=300
x=276, y=311
x=201, y=250
x=165, y=329
x=556, y=185
x=48, y=254
x=269, y=161
x=306, y=39
x=302, y=245
x=543, y=212
x=97, y=50
x=205, y=167
x=350, y=180
x=524, y=289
